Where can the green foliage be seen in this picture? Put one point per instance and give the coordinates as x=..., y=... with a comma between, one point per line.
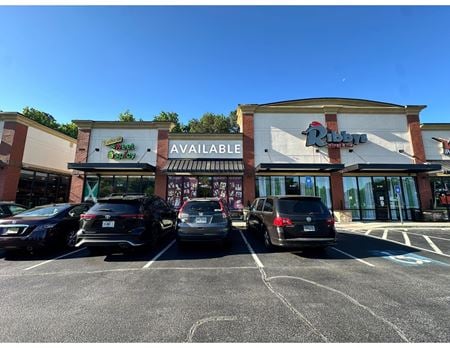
x=172, y=117
x=210, y=123
x=126, y=116
x=48, y=120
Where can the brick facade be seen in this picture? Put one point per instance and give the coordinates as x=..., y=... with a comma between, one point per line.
x=11, y=153
x=161, y=159
x=81, y=156
x=248, y=147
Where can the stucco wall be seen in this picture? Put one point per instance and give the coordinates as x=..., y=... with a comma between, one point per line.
x=386, y=134
x=48, y=151
x=281, y=135
x=141, y=138
x=434, y=150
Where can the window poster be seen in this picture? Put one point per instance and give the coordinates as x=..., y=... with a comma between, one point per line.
x=235, y=192
x=220, y=187
x=174, y=187
x=190, y=187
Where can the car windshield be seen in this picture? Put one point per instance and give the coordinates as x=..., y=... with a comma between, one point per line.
x=208, y=207
x=116, y=207
x=301, y=206
x=43, y=211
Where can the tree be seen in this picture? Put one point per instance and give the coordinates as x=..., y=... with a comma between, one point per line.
x=233, y=126
x=70, y=129
x=209, y=123
x=172, y=117
x=126, y=116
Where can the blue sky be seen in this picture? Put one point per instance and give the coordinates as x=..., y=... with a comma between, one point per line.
x=95, y=62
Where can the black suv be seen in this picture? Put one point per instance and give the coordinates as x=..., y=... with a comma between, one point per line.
x=292, y=221
x=126, y=221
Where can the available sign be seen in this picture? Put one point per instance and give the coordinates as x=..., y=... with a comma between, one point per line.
x=120, y=150
x=205, y=148
x=318, y=135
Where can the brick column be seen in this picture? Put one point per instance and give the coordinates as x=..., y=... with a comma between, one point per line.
x=81, y=154
x=423, y=181
x=248, y=147
x=161, y=160
x=337, y=187
x=12, y=147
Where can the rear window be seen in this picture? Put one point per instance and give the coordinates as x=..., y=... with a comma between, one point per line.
x=205, y=207
x=297, y=206
x=115, y=207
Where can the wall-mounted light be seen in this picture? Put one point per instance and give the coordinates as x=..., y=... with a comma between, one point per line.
x=350, y=150
x=401, y=151
x=317, y=150
x=97, y=149
x=148, y=150
x=266, y=150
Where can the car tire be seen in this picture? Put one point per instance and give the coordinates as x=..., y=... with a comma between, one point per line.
x=71, y=239
x=267, y=242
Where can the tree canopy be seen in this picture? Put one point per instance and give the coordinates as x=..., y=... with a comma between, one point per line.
x=172, y=117
x=48, y=120
x=126, y=116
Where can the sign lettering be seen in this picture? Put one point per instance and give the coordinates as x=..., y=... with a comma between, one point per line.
x=119, y=150
x=445, y=145
x=205, y=148
x=318, y=135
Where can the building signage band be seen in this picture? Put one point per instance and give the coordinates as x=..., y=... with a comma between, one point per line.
x=205, y=148
x=120, y=150
x=318, y=135
x=445, y=145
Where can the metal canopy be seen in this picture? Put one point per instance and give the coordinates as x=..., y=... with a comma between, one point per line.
x=204, y=166
x=391, y=167
x=98, y=167
x=299, y=167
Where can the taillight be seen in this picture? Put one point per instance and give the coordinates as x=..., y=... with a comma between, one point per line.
x=282, y=222
x=330, y=221
x=132, y=216
x=88, y=216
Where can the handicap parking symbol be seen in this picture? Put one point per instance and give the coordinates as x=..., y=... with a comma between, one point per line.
x=410, y=259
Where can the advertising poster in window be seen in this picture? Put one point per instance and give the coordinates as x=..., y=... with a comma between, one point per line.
x=174, y=187
x=235, y=193
x=220, y=187
x=190, y=187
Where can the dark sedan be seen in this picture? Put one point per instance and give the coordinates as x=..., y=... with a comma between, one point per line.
x=53, y=225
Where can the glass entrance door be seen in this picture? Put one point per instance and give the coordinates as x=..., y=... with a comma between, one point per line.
x=381, y=198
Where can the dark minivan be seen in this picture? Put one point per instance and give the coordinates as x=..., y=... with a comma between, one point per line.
x=126, y=221
x=292, y=221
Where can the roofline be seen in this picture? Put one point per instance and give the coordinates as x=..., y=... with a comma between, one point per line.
x=90, y=124
x=334, y=98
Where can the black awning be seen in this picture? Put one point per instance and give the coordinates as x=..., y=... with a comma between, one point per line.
x=299, y=167
x=445, y=164
x=391, y=167
x=204, y=166
x=103, y=167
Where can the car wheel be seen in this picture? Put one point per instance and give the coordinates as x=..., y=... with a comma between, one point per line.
x=71, y=239
x=267, y=241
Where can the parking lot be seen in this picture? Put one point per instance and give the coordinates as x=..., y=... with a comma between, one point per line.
x=371, y=287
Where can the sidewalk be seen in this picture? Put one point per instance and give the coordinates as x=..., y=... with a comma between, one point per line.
x=388, y=224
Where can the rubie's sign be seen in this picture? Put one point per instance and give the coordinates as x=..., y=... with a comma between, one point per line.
x=445, y=145
x=318, y=135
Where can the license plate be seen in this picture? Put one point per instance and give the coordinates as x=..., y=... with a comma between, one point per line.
x=200, y=220
x=309, y=228
x=12, y=230
x=109, y=224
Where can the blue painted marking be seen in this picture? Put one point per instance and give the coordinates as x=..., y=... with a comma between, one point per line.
x=407, y=259
x=397, y=188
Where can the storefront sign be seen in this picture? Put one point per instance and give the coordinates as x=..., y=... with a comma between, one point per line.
x=318, y=135
x=119, y=150
x=445, y=145
x=205, y=148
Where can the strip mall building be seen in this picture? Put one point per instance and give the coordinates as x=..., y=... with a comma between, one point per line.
x=364, y=158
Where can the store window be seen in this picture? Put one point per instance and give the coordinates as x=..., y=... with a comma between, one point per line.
x=351, y=197
x=96, y=186
x=292, y=185
x=440, y=187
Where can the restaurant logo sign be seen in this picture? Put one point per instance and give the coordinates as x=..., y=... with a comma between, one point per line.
x=445, y=145
x=120, y=150
x=318, y=135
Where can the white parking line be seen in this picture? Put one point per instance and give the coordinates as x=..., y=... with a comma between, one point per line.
x=368, y=232
x=435, y=248
x=148, y=264
x=353, y=257
x=255, y=257
x=385, y=233
x=56, y=258
x=406, y=238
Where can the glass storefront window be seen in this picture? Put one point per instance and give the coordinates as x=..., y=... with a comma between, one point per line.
x=40, y=188
x=410, y=195
x=351, y=197
x=393, y=183
x=91, y=188
x=106, y=186
x=120, y=184
x=235, y=193
x=262, y=186
x=134, y=184
x=307, y=186
x=219, y=187
x=174, y=187
x=440, y=186
x=277, y=185
x=366, y=198
x=323, y=190
x=292, y=185
x=148, y=185
x=204, y=186
x=190, y=186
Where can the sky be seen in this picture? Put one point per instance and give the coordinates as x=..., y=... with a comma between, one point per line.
x=93, y=62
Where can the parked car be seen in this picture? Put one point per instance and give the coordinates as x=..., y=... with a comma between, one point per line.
x=292, y=221
x=126, y=221
x=204, y=219
x=8, y=209
x=53, y=225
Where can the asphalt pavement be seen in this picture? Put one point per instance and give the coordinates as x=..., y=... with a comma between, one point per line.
x=370, y=287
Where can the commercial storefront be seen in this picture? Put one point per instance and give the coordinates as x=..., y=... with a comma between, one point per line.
x=436, y=139
x=33, y=159
x=205, y=165
x=364, y=158
x=118, y=157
